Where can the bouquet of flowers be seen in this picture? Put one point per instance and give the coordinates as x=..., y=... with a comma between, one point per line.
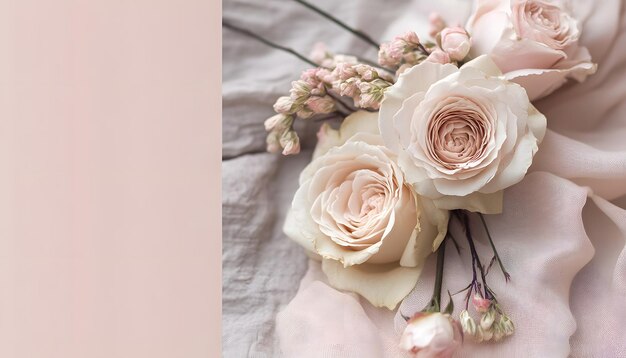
x=430, y=136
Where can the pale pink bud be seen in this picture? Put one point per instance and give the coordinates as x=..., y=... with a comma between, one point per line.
x=349, y=89
x=431, y=335
x=411, y=38
x=310, y=77
x=320, y=53
x=345, y=70
x=279, y=123
x=273, y=142
x=480, y=304
x=436, y=24
x=321, y=105
x=290, y=143
x=283, y=105
x=456, y=42
x=438, y=56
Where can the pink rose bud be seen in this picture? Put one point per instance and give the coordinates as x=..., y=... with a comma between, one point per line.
x=283, y=105
x=438, y=56
x=480, y=304
x=436, y=24
x=431, y=335
x=290, y=143
x=321, y=105
x=456, y=42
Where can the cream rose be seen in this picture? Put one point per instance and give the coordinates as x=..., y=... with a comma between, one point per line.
x=356, y=213
x=534, y=42
x=462, y=135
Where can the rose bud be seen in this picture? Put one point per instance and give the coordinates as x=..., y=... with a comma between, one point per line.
x=431, y=335
x=507, y=325
x=480, y=304
x=455, y=42
x=438, y=56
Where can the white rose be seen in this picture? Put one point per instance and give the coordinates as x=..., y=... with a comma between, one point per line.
x=355, y=211
x=462, y=135
x=431, y=335
x=534, y=42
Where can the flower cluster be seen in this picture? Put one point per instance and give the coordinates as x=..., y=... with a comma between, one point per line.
x=444, y=137
x=363, y=83
x=494, y=324
x=402, y=52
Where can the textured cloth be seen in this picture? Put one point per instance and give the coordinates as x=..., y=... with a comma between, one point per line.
x=561, y=235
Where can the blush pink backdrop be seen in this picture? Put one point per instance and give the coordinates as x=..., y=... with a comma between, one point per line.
x=104, y=206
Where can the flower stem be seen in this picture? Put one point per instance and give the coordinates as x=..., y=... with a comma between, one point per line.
x=267, y=42
x=475, y=257
x=507, y=277
x=363, y=36
x=435, y=302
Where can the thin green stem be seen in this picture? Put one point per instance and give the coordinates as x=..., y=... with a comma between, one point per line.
x=363, y=36
x=507, y=277
x=267, y=42
x=435, y=302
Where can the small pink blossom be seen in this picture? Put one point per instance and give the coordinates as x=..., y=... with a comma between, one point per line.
x=436, y=24
x=481, y=304
x=321, y=105
x=456, y=42
x=438, y=56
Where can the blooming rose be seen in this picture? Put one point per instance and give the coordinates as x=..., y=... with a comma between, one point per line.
x=462, y=135
x=431, y=335
x=534, y=42
x=455, y=42
x=355, y=211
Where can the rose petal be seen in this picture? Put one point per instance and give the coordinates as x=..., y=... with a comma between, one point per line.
x=382, y=285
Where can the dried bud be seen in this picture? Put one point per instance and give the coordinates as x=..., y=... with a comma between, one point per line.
x=345, y=70
x=498, y=332
x=467, y=323
x=321, y=105
x=483, y=335
x=278, y=122
x=480, y=304
x=290, y=142
x=299, y=89
x=455, y=42
x=436, y=24
x=507, y=325
x=438, y=56
x=284, y=105
x=486, y=321
x=273, y=142
x=411, y=38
